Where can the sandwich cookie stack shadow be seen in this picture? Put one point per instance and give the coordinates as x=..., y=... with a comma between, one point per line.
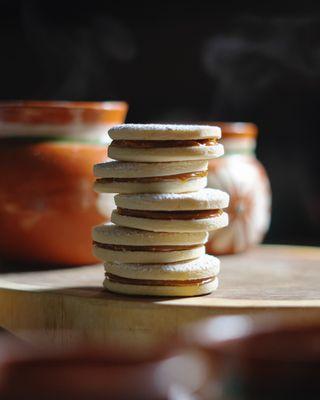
x=155, y=244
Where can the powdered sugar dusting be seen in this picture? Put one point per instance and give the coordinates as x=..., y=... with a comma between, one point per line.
x=164, y=127
x=161, y=131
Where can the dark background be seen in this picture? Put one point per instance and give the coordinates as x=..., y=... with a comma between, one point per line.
x=182, y=62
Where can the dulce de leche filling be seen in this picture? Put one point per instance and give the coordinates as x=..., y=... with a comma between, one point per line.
x=154, y=282
x=149, y=144
x=183, y=215
x=183, y=177
x=144, y=248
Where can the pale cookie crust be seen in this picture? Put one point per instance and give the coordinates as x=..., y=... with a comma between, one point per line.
x=166, y=154
x=119, y=169
x=173, y=225
x=202, y=267
x=163, y=186
x=205, y=199
x=148, y=257
x=118, y=235
x=166, y=291
x=163, y=132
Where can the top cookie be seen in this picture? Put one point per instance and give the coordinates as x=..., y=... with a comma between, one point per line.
x=163, y=132
x=164, y=143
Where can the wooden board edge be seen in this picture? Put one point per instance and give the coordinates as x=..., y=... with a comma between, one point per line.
x=188, y=302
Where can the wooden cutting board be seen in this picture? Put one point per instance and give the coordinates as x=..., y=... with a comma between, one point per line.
x=69, y=303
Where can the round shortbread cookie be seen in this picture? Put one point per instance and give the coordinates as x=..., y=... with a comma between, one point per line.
x=205, y=199
x=163, y=132
x=119, y=169
x=118, y=235
x=147, y=257
x=165, y=185
x=204, y=267
x=172, y=225
x=165, y=291
x=165, y=154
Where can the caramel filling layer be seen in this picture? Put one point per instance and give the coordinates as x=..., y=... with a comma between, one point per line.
x=184, y=215
x=144, y=248
x=149, y=144
x=151, y=282
x=183, y=177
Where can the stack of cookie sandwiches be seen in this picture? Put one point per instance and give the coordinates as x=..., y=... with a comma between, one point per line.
x=155, y=244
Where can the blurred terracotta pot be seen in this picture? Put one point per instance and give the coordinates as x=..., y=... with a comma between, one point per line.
x=262, y=357
x=85, y=371
x=47, y=205
x=240, y=174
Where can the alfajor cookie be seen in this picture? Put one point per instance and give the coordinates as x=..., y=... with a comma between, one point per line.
x=164, y=143
x=123, y=245
x=191, y=278
x=184, y=212
x=132, y=177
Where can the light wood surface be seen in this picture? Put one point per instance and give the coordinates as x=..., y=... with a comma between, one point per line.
x=69, y=303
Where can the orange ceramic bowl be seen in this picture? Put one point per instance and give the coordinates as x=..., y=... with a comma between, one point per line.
x=47, y=152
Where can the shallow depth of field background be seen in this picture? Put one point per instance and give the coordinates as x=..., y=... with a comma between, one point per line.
x=184, y=63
